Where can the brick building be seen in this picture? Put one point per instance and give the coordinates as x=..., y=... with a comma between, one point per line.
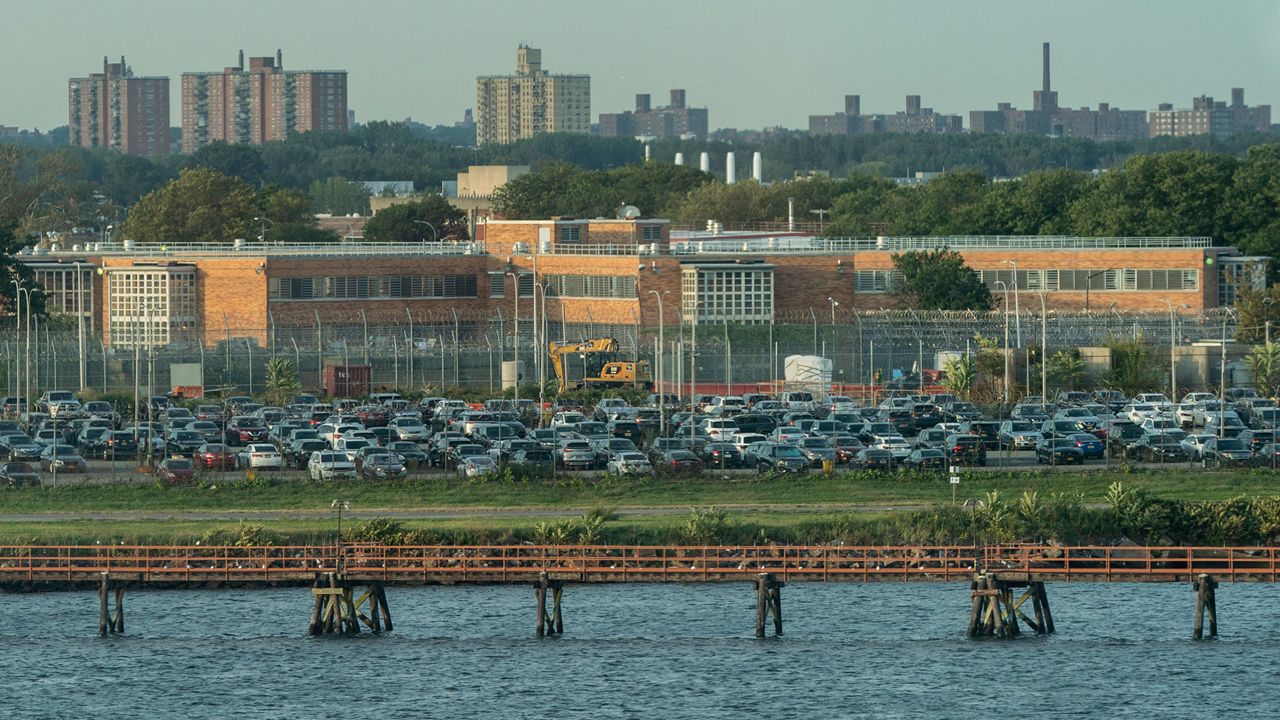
x=116, y=109
x=260, y=103
x=675, y=120
x=603, y=274
x=913, y=119
x=531, y=102
x=1207, y=116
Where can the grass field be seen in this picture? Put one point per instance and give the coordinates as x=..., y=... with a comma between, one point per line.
x=809, y=491
x=640, y=510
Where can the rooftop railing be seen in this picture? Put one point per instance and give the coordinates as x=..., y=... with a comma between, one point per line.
x=179, y=249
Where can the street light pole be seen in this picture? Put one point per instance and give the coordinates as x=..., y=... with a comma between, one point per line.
x=1006, y=339
x=435, y=236
x=662, y=344
x=814, y=315
x=17, y=341
x=1173, y=357
x=80, y=326
x=1017, y=310
x=262, y=224
x=834, y=304
x=1044, y=352
x=515, y=288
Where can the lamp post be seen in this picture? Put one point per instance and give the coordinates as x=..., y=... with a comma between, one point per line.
x=1088, y=282
x=1222, y=377
x=1267, y=320
x=834, y=303
x=1173, y=357
x=262, y=228
x=339, y=505
x=814, y=316
x=79, y=290
x=515, y=345
x=662, y=339
x=18, y=290
x=435, y=236
x=1017, y=310
x=1044, y=352
x=1006, y=339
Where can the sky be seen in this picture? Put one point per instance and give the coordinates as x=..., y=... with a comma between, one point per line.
x=752, y=63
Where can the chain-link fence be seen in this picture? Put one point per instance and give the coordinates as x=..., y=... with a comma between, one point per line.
x=457, y=351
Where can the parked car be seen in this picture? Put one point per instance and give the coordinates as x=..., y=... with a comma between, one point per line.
x=1059, y=451
x=382, y=466
x=817, y=450
x=474, y=466
x=1225, y=452
x=64, y=457
x=327, y=465
x=678, y=460
x=260, y=456
x=629, y=463
x=721, y=455
x=410, y=453
x=1192, y=445
x=963, y=449
x=775, y=457
x=214, y=456
x=174, y=470
x=873, y=458
x=1018, y=435
x=18, y=473
x=1158, y=448
x=1089, y=445
x=926, y=459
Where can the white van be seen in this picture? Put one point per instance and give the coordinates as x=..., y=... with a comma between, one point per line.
x=798, y=400
x=722, y=429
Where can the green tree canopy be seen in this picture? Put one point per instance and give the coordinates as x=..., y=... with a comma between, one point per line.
x=939, y=280
x=402, y=222
x=238, y=160
x=337, y=196
x=201, y=206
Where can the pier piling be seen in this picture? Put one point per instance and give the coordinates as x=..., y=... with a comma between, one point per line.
x=110, y=623
x=549, y=623
x=996, y=613
x=1206, y=603
x=768, y=603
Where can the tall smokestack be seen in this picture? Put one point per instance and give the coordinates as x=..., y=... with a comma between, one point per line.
x=1046, y=89
x=704, y=162
x=757, y=167
x=730, y=169
x=241, y=64
x=680, y=158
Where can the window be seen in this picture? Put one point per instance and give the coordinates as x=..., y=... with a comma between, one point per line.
x=591, y=286
x=570, y=233
x=875, y=281
x=651, y=233
x=740, y=294
x=497, y=285
x=372, y=288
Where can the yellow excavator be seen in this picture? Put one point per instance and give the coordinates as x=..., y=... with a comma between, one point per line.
x=601, y=363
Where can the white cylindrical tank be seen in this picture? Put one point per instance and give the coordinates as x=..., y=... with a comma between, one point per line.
x=704, y=162
x=679, y=158
x=510, y=372
x=730, y=169
x=646, y=152
x=757, y=167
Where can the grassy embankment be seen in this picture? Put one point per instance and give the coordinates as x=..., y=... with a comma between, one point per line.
x=812, y=508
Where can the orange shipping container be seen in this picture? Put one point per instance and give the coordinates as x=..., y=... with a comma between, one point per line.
x=346, y=381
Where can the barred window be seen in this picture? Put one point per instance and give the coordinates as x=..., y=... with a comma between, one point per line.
x=651, y=232
x=372, y=288
x=875, y=281
x=570, y=233
x=594, y=286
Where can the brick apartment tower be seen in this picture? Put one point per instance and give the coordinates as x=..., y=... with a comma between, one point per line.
x=114, y=109
x=531, y=102
x=260, y=103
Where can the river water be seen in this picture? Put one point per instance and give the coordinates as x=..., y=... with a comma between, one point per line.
x=643, y=650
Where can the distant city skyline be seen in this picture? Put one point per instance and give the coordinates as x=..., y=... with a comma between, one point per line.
x=753, y=64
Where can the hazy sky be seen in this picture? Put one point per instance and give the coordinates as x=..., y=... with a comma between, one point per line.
x=753, y=63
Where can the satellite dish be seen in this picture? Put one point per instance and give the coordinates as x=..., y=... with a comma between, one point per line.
x=628, y=212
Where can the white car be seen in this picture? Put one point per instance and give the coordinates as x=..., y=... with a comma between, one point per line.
x=742, y=440
x=721, y=429
x=797, y=401
x=349, y=446
x=895, y=444
x=788, y=435
x=410, y=429
x=1139, y=412
x=1194, y=444
x=1196, y=397
x=260, y=456
x=1151, y=399
x=629, y=463
x=726, y=405
x=1158, y=425
x=326, y=465
x=567, y=419
x=1185, y=414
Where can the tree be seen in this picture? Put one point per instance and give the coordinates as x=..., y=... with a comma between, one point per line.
x=337, y=196
x=1065, y=369
x=1255, y=309
x=282, y=380
x=939, y=280
x=1134, y=368
x=238, y=160
x=961, y=373
x=201, y=206
x=1264, y=363
x=403, y=222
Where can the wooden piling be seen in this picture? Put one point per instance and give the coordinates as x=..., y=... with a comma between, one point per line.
x=540, y=596
x=1206, y=602
x=110, y=623
x=317, y=607
x=768, y=603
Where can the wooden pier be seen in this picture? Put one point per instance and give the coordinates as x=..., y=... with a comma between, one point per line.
x=63, y=567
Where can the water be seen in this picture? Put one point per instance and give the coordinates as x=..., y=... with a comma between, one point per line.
x=661, y=651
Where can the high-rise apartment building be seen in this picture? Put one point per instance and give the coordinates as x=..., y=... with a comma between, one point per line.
x=1211, y=117
x=260, y=103
x=114, y=109
x=674, y=120
x=531, y=102
x=1047, y=117
x=914, y=119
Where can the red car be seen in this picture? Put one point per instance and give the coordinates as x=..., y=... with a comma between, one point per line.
x=214, y=456
x=371, y=416
x=176, y=470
